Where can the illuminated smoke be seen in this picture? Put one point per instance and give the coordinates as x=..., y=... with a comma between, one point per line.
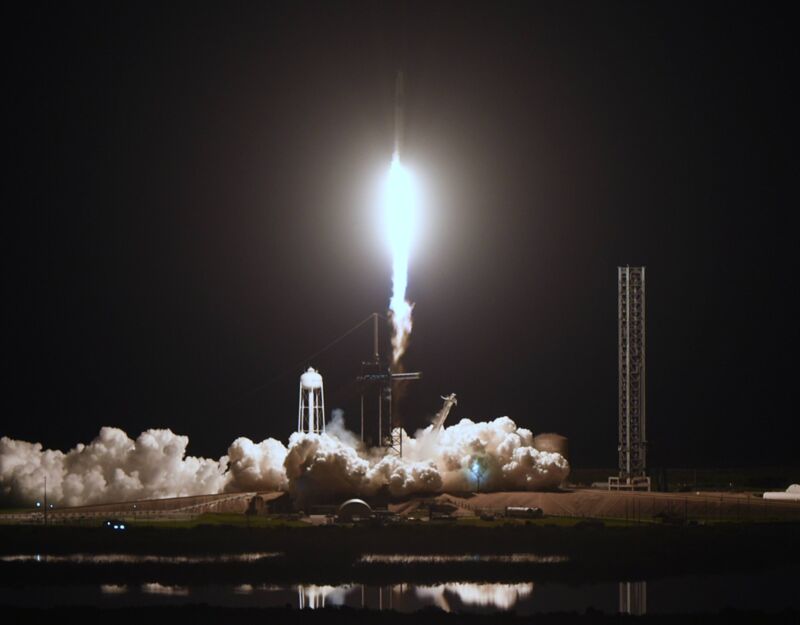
x=499, y=451
x=400, y=206
x=113, y=467
x=256, y=466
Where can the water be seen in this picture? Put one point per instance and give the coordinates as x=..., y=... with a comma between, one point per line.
x=676, y=595
x=771, y=590
x=514, y=558
x=124, y=558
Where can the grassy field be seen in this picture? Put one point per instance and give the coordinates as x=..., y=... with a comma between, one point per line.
x=214, y=519
x=17, y=510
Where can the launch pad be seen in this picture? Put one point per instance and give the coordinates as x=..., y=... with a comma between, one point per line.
x=380, y=427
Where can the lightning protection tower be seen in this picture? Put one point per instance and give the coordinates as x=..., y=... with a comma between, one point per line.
x=632, y=414
x=311, y=411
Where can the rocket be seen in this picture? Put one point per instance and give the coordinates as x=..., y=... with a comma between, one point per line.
x=398, y=113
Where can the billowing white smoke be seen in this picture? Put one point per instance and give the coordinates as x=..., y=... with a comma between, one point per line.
x=256, y=466
x=114, y=467
x=110, y=468
x=497, y=452
x=320, y=464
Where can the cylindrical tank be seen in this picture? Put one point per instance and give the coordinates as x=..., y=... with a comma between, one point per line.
x=311, y=410
x=311, y=379
x=552, y=443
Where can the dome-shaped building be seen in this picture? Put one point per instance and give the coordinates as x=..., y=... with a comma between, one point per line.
x=353, y=509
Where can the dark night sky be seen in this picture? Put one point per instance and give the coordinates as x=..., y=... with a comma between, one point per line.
x=190, y=211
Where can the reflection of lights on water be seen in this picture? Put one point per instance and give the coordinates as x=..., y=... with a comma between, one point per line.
x=122, y=558
x=154, y=588
x=243, y=589
x=501, y=596
x=313, y=597
x=513, y=558
x=113, y=589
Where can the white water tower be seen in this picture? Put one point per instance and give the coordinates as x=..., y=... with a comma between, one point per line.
x=311, y=413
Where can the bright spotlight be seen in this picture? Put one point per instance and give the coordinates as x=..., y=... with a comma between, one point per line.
x=477, y=469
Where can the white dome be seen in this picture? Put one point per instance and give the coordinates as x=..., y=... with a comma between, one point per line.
x=311, y=379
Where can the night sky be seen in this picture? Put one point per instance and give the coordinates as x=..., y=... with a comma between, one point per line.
x=190, y=211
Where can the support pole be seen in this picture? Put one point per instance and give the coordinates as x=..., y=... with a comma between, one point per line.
x=377, y=354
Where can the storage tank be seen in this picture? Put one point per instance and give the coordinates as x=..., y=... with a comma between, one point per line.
x=552, y=443
x=311, y=411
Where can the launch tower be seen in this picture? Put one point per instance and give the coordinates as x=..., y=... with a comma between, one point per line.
x=632, y=414
x=381, y=428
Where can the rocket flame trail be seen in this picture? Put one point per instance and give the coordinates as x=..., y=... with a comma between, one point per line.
x=400, y=218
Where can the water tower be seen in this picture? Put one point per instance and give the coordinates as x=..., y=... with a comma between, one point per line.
x=311, y=412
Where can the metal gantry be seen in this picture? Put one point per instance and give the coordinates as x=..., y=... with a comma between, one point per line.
x=376, y=381
x=632, y=413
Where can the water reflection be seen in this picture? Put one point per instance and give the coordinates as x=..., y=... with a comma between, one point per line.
x=693, y=594
x=123, y=558
x=499, y=596
x=154, y=588
x=514, y=558
x=407, y=597
x=633, y=598
x=312, y=596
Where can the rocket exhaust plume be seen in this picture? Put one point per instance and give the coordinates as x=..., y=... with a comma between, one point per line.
x=400, y=224
x=400, y=207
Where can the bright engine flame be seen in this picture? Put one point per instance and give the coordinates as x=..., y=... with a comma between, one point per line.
x=400, y=206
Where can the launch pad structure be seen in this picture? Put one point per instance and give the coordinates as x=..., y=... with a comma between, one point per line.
x=631, y=398
x=382, y=428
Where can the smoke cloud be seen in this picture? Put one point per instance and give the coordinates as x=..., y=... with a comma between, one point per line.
x=114, y=467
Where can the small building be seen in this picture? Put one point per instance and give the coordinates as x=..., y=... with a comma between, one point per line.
x=278, y=502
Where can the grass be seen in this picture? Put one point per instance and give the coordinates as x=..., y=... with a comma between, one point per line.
x=18, y=510
x=503, y=521
x=218, y=519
